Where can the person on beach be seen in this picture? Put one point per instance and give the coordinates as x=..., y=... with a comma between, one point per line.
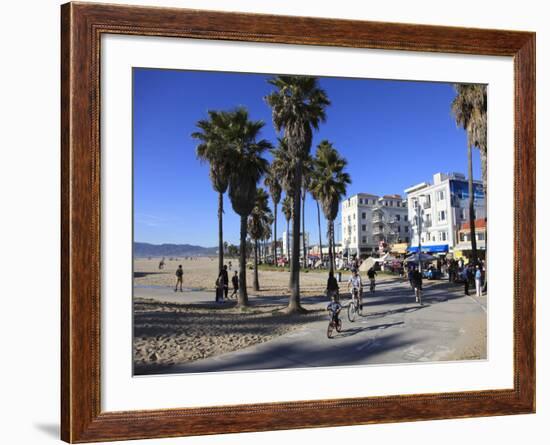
x=332, y=287
x=223, y=284
x=179, y=277
x=235, y=282
x=478, y=281
x=372, y=278
x=410, y=276
x=416, y=281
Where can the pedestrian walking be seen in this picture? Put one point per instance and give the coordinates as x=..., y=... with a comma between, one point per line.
x=235, y=282
x=332, y=287
x=478, y=281
x=224, y=283
x=416, y=279
x=179, y=277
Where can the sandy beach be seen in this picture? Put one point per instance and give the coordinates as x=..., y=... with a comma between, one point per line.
x=169, y=333
x=172, y=332
x=201, y=272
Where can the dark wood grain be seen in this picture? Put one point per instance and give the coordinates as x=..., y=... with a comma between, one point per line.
x=82, y=26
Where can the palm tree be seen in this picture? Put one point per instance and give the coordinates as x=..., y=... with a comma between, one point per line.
x=307, y=170
x=298, y=107
x=470, y=110
x=214, y=149
x=287, y=211
x=259, y=223
x=330, y=186
x=247, y=168
x=275, y=190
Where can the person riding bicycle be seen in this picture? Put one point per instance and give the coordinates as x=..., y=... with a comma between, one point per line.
x=334, y=308
x=356, y=286
x=372, y=278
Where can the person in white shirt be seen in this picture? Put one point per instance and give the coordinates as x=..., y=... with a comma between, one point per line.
x=356, y=285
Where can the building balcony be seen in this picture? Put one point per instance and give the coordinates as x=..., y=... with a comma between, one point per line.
x=377, y=230
x=376, y=219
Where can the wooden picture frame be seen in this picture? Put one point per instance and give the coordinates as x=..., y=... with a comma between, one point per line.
x=82, y=26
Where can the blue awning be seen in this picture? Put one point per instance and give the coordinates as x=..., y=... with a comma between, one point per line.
x=438, y=248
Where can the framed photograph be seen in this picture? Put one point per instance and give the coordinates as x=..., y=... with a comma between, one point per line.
x=195, y=144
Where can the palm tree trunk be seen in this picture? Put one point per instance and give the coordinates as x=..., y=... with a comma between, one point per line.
x=275, y=234
x=330, y=251
x=256, y=285
x=294, y=300
x=243, y=296
x=332, y=243
x=320, y=240
x=304, y=228
x=483, y=156
x=471, y=206
x=220, y=233
x=288, y=242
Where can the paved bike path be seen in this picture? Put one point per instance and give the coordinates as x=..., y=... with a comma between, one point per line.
x=394, y=329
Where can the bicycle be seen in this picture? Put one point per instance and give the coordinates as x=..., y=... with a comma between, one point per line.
x=334, y=323
x=354, y=306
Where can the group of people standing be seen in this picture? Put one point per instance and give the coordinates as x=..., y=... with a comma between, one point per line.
x=222, y=285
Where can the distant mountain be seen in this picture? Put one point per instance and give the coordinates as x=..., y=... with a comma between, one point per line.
x=172, y=250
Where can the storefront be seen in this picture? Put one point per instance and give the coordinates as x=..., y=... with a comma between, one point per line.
x=432, y=249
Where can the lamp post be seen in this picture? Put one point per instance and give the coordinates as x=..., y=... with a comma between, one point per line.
x=419, y=225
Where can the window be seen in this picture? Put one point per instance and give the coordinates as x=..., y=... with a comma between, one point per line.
x=360, y=200
x=364, y=215
x=399, y=229
x=442, y=236
x=406, y=229
x=406, y=217
x=391, y=203
x=364, y=240
x=481, y=237
x=415, y=203
x=398, y=217
x=462, y=237
x=442, y=215
x=428, y=220
x=441, y=195
x=364, y=227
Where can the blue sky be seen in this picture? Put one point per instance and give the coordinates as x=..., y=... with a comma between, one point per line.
x=393, y=133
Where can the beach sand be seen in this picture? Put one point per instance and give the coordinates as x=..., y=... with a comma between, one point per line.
x=170, y=333
x=201, y=273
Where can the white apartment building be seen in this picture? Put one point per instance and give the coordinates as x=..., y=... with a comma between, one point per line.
x=436, y=211
x=370, y=220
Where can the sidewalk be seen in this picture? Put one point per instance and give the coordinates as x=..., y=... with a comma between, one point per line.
x=394, y=329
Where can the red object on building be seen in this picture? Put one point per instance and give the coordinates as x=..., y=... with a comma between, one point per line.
x=478, y=223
